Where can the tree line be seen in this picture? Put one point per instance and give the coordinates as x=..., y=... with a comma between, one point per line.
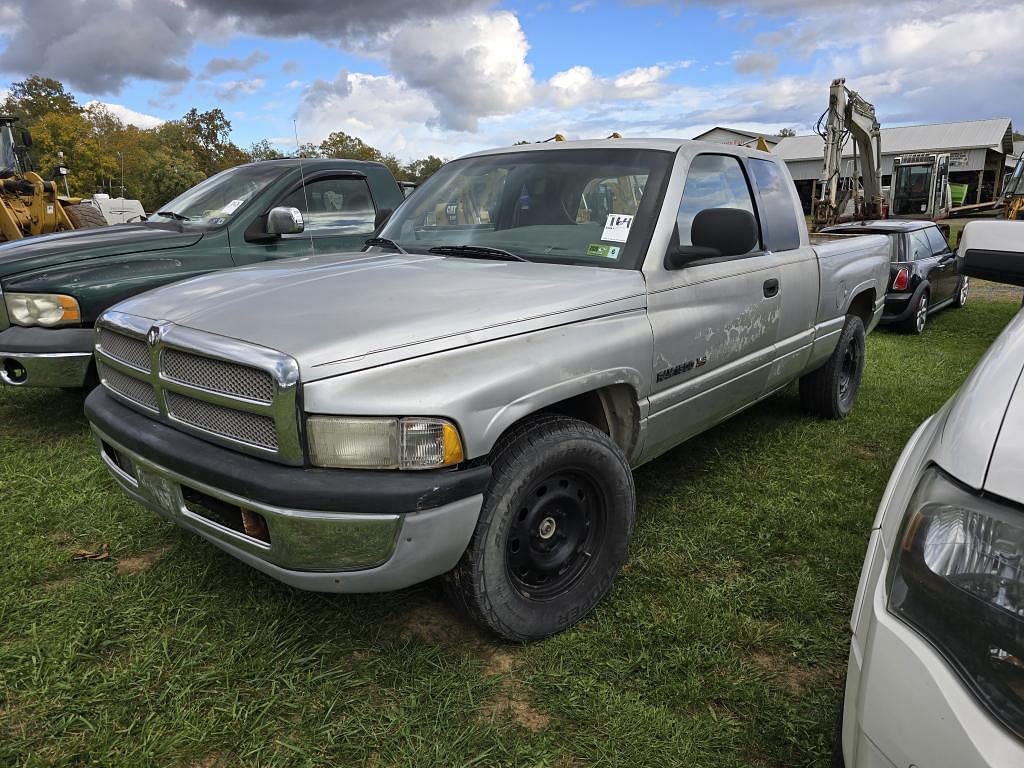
x=158, y=163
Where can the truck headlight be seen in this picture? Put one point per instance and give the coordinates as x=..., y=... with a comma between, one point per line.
x=958, y=579
x=45, y=309
x=382, y=443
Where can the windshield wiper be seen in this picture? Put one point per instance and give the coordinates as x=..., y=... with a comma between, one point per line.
x=385, y=242
x=173, y=215
x=477, y=252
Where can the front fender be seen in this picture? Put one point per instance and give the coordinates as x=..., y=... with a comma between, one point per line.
x=486, y=388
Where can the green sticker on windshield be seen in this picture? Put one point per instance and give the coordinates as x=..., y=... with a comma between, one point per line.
x=601, y=251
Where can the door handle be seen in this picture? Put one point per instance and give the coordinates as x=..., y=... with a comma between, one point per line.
x=771, y=288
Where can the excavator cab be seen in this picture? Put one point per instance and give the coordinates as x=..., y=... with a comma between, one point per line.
x=920, y=187
x=1013, y=193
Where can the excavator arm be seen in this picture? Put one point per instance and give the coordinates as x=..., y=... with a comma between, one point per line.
x=849, y=115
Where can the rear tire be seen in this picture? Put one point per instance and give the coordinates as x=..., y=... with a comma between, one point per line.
x=85, y=216
x=553, y=533
x=916, y=323
x=831, y=391
x=962, y=292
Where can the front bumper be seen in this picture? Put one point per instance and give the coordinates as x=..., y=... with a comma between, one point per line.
x=354, y=539
x=45, y=357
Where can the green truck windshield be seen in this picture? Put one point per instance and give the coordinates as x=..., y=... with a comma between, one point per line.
x=585, y=206
x=213, y=202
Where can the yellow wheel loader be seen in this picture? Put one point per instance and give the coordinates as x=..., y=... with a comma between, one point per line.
x=29, y=205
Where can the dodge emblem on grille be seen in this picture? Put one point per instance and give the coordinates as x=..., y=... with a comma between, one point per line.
x=153, y=336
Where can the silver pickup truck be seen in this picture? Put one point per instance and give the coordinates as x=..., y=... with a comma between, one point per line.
x=467, y=397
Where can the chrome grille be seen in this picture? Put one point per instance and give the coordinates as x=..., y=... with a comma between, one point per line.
x=251, y=428
x=136, y=390
x=216, y=388
x=126, y=349
x=217, y=375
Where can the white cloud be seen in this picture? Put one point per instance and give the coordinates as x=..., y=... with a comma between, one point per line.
x=232, y=89
x=126, y=115
x=380, y=109
x=579, y=85
x=471, y=66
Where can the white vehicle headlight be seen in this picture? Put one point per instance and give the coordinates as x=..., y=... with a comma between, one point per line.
x=344, y=442
x=45, y=309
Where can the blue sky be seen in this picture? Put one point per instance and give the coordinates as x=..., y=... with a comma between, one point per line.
x=450, y=76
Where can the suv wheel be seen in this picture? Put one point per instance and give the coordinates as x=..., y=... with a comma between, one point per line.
x=831, y=390
x=553, y=532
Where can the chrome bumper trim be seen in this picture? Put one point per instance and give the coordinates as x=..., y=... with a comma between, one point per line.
x=53, y=369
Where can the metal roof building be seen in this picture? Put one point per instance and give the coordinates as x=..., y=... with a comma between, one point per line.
x=967, y=144
x=736, y=137
x=978, y=152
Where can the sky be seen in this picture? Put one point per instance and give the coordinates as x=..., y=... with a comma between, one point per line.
x=447, y=77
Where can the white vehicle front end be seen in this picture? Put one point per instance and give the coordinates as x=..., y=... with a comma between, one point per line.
x=936, y=667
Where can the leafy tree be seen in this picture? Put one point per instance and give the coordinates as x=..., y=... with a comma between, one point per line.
x=341, y=145
x=421, y=170
x=785, y=132
x=35, y=96
x=264, y=150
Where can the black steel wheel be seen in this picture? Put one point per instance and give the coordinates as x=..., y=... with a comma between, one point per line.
x=831, y=390
x=553, y=532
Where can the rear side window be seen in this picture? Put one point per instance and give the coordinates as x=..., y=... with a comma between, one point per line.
x=938, y=242
x=778, y=214
x=920, y=248
x=713, y=181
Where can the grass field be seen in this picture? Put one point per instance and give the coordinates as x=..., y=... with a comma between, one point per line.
x=722, y=644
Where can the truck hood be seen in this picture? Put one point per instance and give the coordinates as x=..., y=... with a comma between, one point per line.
x=982, y=439
x=340, y=313
x=82, y=244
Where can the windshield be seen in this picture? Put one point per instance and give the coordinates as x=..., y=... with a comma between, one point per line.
x=1015, y=184
x=8, y=160
x=912, y=190
x=212, y=203
x=574, y=206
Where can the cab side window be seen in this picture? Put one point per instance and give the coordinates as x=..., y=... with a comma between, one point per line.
x=713, y=181
x=920, y=248
x=336, y=206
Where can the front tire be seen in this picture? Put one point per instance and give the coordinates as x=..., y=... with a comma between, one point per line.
x=85, y=216
x=831, y=390
x=553, y=532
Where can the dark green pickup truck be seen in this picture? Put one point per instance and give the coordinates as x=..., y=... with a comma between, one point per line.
x=52, y=288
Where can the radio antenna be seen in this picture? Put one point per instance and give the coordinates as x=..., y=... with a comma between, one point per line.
x=302, y=179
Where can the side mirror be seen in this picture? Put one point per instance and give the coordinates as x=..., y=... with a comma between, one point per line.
x=285, y=221
x=716, y=233
x=992, y=250
x=26, y=138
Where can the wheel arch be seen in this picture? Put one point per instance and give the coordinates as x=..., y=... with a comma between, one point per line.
x=610, y=403
x=862, y=303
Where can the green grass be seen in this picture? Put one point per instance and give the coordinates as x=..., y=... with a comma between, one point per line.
x=722, y=644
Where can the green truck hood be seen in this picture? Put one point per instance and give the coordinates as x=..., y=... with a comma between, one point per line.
x=83, y=244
